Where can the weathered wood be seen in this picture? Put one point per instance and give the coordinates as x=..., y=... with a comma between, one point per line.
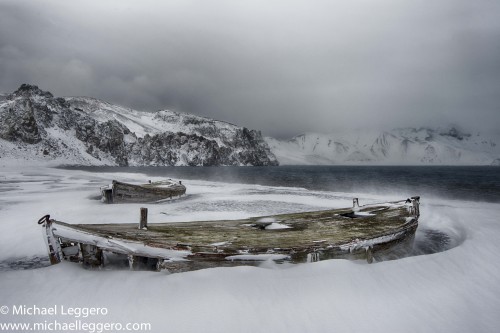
x=143, y=223
x=355, y=203
x=53, y=255
x=369, y=254
x=415, y=201
x=51, y=241
x=140, y=263
x=151, y=192
x=108, y=196
x=132, y=262
x=71, y=251
x=91, y=256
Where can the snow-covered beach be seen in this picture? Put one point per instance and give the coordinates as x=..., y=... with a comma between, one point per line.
x=266, y=111
x=452, y=291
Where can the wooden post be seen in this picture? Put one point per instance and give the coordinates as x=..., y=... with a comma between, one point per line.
x=369, y=254
x=143, y=223
x=313, y=257
x=131, y=262
x=355, y=203
x=51, y=241
x=108, y=196
x=416, y=206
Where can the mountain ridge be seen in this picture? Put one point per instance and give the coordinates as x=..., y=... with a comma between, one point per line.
x=35, y=125
x=402, y=146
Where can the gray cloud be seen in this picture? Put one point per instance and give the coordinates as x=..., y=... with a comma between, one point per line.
x=285, y=67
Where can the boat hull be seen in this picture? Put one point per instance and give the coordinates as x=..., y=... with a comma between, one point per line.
x=120, y=192
x=372, y=232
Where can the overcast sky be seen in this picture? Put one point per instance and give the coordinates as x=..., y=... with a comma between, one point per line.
x=284, y=67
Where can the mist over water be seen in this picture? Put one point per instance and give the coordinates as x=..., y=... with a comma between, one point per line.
x=471, y=183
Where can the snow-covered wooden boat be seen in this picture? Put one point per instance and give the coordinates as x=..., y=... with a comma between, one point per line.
x=367, y=232
x=150, y=192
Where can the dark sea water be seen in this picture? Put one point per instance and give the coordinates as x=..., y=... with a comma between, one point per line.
x=477, y=183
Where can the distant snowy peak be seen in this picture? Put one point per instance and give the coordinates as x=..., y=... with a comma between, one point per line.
x=441, y=146
x=34, y=125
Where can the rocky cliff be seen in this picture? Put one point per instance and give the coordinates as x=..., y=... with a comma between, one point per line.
x=35, y=125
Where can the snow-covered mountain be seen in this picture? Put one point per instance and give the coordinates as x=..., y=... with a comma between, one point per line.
x=34, y=125
x=407, y=146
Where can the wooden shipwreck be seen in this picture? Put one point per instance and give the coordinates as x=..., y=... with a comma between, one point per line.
x=150, y=192
x=366, y=232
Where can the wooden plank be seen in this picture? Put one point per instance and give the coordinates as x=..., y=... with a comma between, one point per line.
x=143, y=223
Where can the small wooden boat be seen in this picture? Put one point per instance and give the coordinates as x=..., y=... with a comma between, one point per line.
x=150, y=192
x=367, y=232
